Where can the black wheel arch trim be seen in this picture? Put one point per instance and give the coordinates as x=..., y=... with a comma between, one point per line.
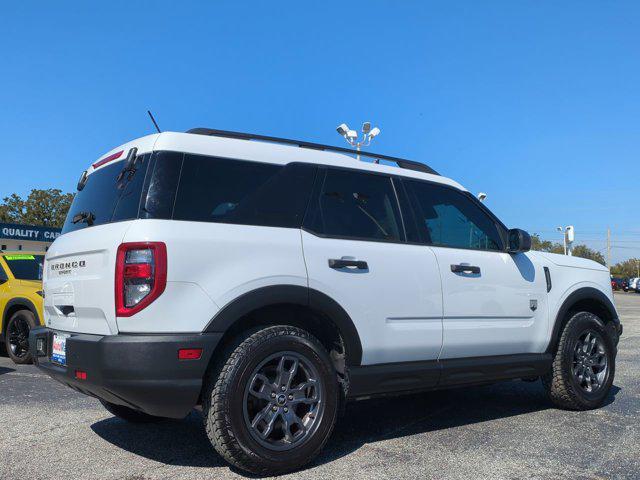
x=291, y=294
x=20, y=302
x=584, y=293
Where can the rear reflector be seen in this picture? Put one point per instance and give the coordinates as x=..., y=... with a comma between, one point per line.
x=189, y=353
x=108, y=159
x=138, y=270
x=80, y=375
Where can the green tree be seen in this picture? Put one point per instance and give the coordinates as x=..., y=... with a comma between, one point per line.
x=545, y=245
x=586, y=252
x=555, y=247
x=42, y=207
x=628, y=268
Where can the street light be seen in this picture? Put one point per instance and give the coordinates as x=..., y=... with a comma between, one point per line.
x=568, y=235
x=351, y=136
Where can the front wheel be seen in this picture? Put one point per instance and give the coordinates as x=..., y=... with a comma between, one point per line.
x=271, y=405
x=17, y=336
x=583, y=366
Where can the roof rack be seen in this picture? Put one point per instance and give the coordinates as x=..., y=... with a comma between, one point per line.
x=401, y=162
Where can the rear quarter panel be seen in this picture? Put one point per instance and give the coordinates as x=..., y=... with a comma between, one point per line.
x=210, y=265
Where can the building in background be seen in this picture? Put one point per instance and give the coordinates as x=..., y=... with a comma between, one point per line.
x=26, y=237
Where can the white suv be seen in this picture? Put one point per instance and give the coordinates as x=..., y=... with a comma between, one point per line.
x=269, y=281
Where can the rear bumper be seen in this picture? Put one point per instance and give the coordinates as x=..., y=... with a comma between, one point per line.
x=142, y=372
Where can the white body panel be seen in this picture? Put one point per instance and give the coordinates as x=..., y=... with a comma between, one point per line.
x=490, y=313
x=89, y=289
x=570, y=274
x=214, y=263
x=396, y=305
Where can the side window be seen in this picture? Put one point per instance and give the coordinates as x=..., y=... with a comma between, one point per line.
x=3, y=275
x=221, y=190
x=449, y=218
x=356, y=205
x=161, y=185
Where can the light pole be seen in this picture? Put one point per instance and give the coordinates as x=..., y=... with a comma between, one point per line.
x=568, y=236
x=564, y=238
x=351, y=136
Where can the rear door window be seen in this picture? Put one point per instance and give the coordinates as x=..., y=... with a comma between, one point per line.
x=355, y=204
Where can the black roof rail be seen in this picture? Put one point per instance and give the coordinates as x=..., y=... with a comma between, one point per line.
x=401, y=162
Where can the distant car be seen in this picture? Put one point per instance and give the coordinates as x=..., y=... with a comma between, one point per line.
x=619, y=284
x=634, y=284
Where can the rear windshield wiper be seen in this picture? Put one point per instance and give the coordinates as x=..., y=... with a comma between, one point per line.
x=87, y=217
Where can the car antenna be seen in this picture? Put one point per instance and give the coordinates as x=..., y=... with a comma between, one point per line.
x=154, y=121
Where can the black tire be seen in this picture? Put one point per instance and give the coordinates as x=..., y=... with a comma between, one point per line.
x=563, y=382
x=129, y=414
x=228, y=397
x=16, y=336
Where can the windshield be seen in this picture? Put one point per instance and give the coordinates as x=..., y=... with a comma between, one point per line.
x=110, y=194
x=25, y=267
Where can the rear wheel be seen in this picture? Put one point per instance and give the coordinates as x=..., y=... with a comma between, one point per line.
x=584, y=364
x=17, y=336
x=129, y=414
x=271, y=405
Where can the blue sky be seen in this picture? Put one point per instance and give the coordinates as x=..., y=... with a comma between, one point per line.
x=536, y=103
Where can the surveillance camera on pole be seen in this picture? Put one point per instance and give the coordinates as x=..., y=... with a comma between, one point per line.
x=351, y=136
x=569, y=235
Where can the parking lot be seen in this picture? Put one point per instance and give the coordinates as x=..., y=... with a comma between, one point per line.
x=501, y=431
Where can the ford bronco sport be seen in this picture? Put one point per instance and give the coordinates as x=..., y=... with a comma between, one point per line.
x=269, y=281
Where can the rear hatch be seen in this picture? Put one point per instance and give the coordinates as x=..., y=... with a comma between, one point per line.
x=79, y=280
x=79, y=271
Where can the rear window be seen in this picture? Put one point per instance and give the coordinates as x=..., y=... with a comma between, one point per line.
x=110, y=195
x=24, y=266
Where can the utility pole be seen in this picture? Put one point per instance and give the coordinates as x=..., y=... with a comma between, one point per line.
x=609, y=248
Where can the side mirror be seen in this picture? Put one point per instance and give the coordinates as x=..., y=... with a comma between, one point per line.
x=519, y=241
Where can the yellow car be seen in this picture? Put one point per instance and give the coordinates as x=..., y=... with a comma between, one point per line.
x=20, y=300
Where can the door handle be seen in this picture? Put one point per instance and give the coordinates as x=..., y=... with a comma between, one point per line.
x=465, y=269
x=342, y=263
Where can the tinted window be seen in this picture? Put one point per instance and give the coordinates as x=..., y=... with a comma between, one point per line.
x=450, y=218
x=25, y=267
x=161, y=185
x=356, y=205
x=233, y=191
x=110, y=194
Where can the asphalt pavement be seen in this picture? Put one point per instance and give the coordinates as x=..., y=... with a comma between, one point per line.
x=502, y=431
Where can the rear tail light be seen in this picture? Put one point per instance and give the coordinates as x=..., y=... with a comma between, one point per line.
x=141, y=275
